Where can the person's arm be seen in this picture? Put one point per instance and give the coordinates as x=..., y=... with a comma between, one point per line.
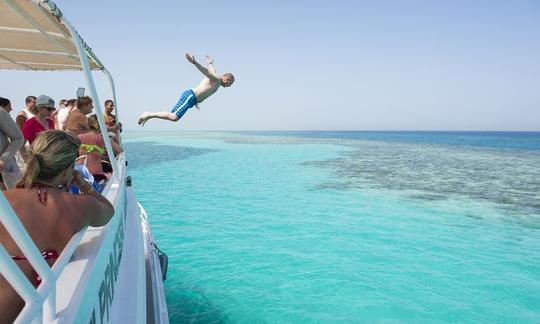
x=117, y=127
x=16, y=139
x=210, y=63
x=96, y=210
x=207, y=73
x=116, y=148
x=54, y=117
x=20, y=119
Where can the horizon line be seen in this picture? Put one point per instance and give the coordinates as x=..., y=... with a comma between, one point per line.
x=336, y=130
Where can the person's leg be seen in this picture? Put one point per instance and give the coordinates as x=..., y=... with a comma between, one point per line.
x=161, y=115
x=187, y=100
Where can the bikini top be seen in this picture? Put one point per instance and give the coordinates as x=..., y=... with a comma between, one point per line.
x=47, y=255
x=91, y=147
x=42, y=192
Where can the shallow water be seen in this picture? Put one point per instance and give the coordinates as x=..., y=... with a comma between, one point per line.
x=325, y=227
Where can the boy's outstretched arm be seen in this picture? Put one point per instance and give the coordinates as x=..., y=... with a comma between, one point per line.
x=209, y=73
x=210, y=63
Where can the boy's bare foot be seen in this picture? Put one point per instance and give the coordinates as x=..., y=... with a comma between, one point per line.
x=143, y=118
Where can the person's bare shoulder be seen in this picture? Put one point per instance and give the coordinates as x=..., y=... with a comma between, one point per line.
x=78, y=210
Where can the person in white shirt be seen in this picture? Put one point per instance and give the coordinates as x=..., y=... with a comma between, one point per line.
x=60, y=115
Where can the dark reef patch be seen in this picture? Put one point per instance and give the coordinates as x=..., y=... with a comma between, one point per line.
x=144, y=153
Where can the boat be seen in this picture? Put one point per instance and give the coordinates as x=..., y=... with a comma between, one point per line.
x=110, y=274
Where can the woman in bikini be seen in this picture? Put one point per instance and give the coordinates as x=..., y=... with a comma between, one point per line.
x=93, y=147
x=49, y=213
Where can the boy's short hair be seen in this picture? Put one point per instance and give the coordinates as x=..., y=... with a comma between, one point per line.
x=30, y=98
x=108, y=101
x=230, y=76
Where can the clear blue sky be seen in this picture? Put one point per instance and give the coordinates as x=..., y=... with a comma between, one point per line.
x=314, y=65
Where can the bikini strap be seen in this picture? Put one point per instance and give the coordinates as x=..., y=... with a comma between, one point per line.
x=42, y=191
x=47, y=255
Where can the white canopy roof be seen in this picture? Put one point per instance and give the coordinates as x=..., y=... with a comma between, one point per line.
x=34, y=36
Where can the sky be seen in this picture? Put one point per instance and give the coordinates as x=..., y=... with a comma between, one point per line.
x=312, y=65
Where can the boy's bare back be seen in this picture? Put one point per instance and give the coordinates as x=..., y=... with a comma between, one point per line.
x=205, y=89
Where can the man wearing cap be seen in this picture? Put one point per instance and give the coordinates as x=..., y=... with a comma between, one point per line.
x=41, y=121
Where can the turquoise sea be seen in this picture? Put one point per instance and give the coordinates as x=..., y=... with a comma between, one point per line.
x=344, y=227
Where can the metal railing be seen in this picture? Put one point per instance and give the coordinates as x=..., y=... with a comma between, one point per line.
x=40, y=303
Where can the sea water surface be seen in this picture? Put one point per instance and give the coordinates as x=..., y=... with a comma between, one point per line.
x=344, y=227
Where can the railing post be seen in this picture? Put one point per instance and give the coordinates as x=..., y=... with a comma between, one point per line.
x=113, y=89
x=93, y=92
x=25, y=243
x=16, y=278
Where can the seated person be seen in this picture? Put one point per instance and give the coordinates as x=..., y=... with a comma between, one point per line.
x=49, y=213
x=93, y=147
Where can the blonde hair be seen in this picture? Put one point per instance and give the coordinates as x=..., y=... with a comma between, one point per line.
x=93, y=123
x=51, y=153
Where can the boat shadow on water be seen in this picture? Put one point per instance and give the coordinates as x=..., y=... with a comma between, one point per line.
x=146, y=153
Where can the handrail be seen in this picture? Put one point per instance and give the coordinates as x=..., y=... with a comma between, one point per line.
x=96, y=265
x=19, y=234
x=15, y=277
x=40, y=303
x=111, y=81
x=93, y=92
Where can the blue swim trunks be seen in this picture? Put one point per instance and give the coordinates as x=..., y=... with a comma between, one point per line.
x=187, y=100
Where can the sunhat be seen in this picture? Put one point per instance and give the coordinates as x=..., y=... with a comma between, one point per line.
x=44, y=101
